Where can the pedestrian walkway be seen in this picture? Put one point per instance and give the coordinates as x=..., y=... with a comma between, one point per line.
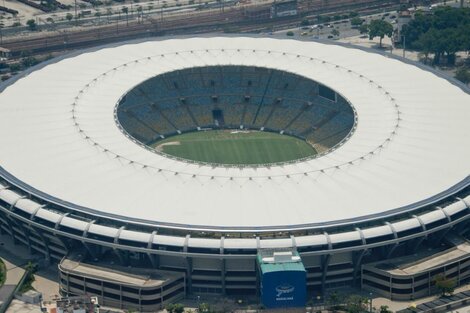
x=15, y=258
x=442, y=304
x=14, y=275
x=18, y=306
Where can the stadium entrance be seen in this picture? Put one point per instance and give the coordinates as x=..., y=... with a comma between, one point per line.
x=283, y=279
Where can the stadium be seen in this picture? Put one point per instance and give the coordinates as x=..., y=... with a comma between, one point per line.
x=205, y=160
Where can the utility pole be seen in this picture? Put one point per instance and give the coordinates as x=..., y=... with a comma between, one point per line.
x=76, y=11
x=404, y=45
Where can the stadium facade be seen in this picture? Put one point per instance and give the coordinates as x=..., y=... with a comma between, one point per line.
x=74, y=182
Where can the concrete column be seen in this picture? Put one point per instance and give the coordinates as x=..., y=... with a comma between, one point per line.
x=189, y=271
x=120, y=297
x=223, y=276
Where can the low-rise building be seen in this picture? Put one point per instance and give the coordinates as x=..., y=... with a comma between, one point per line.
x=412, y=277
x=145, y=290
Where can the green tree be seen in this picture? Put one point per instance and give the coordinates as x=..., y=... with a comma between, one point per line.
x=353, y=14
x=125, y=10
x=364, y=29
x=427, y=42
x=449, y=27
x=174, y=308
x=380, y=28
x=31, y=24
x=334, y=300
x=441, y=42
x=14, y=67
x=140, y=15
x=205, y=308
x=451, y=44
x=290, y=33
x=30, y=270
x=463, y=75
x=335, y=32
x=179, y=308
x=445, y=285
x=3, y=270
x=109, y=12
x=385, y=309
x=323, y=19
x=29, y=61
x=356, y=21
x=356, y=304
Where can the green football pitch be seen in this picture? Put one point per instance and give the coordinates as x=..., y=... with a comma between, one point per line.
x=235, y=147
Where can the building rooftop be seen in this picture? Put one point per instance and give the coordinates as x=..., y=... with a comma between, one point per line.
x=129, y=276
x=423, y=261
x=66, y=146
x=71, y=305
x=275, y=264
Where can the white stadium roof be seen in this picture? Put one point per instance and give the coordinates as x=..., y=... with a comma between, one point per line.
x=59, y=136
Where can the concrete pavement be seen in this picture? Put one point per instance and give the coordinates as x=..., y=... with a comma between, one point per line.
x=14, y=275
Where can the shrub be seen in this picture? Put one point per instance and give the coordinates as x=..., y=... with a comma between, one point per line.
x=463, y=74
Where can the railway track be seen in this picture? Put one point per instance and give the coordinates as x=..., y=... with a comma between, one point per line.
x=234, y=18
x=121, y=31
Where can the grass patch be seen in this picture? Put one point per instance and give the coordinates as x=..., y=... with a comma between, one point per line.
x=235, y=147
x=27, y=283
x=3, y=273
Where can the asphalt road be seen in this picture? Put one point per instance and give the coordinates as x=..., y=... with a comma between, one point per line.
x=343, y=26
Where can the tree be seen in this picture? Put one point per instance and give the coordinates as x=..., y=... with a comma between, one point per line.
x=140, y=15
x=353, y=14
x=178, y=308
x=334, y=300
x=335, y=32
x=170, y=308
x=29, y=279
x=356, y=21
x=204, y=308
x=323, y=19
x=380, y=28
x=98, y=15
x=364, y=29
x=126, y=11
x=109, y=12
x=463, y=75
x=174, y=308
x=305, y=22
x=427, y=43
x=29, y=61
x=385, y=309
x=446, y=29
x=356, y=304
x=290, y=33
x=31, y=24
x=445, y=285
x=14, y=67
